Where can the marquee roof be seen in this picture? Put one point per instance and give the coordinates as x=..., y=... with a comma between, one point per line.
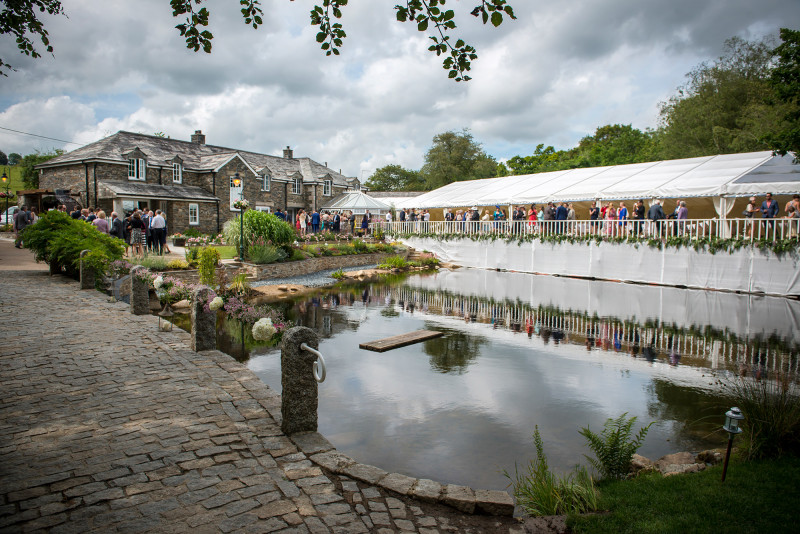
x=726, y=175
x=357, y=202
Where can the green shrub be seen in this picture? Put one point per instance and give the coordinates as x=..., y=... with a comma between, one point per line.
x=359, y=246
x=262, y=254
x=338, y=274
x=177, y=264
x=540, y=492
x=207, y=265
x=325, y=250
x=771, y=409
x=613, y=447
x=260, y=224
x=59, y=238
x=192, y=255
x=297, y=255
x=393, y=262
x=239, y=285
x=154, y=263
x=192, y=232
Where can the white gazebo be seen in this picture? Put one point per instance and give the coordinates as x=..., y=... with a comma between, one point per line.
x=358, y=203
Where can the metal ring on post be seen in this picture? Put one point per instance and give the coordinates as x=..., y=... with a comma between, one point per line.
x=319, y=364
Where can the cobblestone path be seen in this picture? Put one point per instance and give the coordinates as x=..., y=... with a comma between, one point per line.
x=108, y=425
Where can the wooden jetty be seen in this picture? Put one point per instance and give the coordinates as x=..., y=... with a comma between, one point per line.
x=389, y=343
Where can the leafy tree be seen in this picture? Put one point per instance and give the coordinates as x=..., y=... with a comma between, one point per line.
x=30, y=176
x=613, y=144
x=724, y=107
x=14, y=158
x=3, y=158
x=785, y=80
x=395, y=178
x=543, y=159
x=454, y=157
x=19, y=18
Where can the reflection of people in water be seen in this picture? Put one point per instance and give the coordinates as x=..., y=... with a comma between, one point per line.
x=617, y=340
x=635, y=345
x=590, y=336
x=649, y=352
x=365, y=295
x=546, y=335
x=760, y=369
x=674, y=357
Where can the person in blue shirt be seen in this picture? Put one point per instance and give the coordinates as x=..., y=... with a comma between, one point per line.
x=769, y=210
x=315, y=221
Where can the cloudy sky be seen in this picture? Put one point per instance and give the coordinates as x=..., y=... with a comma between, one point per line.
x=552, y=76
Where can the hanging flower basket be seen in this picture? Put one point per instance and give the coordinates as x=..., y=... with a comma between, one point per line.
x=241, y=205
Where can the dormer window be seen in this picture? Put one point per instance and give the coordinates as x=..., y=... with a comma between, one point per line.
x=177, y=173
x=327, y=186
x=137, y=169
x=297, y=186
x=265, y=182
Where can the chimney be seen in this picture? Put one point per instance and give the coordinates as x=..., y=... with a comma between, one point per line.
x=198, y=137
x=287, y=153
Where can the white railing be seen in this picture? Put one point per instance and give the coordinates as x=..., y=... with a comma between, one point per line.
x=752, y=229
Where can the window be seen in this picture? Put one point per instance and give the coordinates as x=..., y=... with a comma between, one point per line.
x=265, y=183
x=266, y=209
x=177, y=173
x=194, y=214
x=297, y=186
x=326, y=187
x=137, y=168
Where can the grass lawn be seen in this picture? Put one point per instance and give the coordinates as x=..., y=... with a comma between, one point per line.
x=761, y=496
x=228, y=252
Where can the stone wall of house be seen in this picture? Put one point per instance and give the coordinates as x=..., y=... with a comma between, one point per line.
x=178, y=218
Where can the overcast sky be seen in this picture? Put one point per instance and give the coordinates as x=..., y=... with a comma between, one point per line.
x=552, y=76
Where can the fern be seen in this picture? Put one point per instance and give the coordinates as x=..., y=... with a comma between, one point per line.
x=613, y=447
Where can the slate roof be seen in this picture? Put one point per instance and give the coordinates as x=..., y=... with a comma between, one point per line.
x=196, y=157
x=162, y=192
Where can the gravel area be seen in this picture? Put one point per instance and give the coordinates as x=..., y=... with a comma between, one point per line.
x=318, y=279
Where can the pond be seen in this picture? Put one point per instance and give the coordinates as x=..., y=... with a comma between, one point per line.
x=521, y=351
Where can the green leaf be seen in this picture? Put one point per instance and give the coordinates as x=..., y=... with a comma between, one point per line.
x=497, y=19
x=321, y=37
x=423, y=25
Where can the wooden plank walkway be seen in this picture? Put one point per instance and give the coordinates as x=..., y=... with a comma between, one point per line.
x=389, y=343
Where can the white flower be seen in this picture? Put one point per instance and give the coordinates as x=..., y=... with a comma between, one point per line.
x=215, y=304
x=263, y=329
x=158, y=282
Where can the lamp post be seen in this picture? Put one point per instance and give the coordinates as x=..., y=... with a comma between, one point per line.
x=237, y=182
x=731, y=426
x=5, y=183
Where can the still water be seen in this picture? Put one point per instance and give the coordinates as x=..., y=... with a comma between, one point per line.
x=519, y=351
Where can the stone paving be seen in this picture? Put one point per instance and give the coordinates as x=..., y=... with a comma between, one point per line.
x=108, y=425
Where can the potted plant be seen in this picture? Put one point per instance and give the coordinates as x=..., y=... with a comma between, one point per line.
x=179, y=240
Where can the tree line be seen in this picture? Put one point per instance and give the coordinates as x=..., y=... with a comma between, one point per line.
x=746, y=100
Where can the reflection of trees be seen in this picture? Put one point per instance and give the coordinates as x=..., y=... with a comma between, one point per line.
x=698, y=412
x=453, y=352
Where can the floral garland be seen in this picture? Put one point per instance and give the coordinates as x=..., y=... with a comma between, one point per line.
x=710, y=244
x=241, y=204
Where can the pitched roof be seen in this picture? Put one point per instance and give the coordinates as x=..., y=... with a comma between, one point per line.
x=196, y=157
x=161, y=192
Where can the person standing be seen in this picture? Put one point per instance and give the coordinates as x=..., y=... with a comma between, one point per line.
x=638, y=215
x=365, y=222
x=21, y=221
x=302, y=219
x=100, y=222
x=769, y=210
x=683, y=214
x=594, y=213
x=315, y=221
x=137, y=233
x=117, y=229
x=656, y=215
x=337, y=222
x=561, y=215
x=147, y=239
x=158, y=228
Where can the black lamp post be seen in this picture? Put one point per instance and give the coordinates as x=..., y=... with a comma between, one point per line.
x=237, y=181
x=731, y=426
x=5, y=183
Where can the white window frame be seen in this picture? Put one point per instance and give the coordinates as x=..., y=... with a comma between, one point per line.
x=265, y=183
x=194, y=221
x=266, y=209
x=137, y=169
x=297, y=186
x=177, y=173
x=327, y=187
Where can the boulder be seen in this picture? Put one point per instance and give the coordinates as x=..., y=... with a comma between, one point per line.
x=711, y=457
x=639, y=463
x=678, y=458
x=681, y=469
x=547, y=524
x=182, y=305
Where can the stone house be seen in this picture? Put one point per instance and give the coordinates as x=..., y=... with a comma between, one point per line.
x=190, y=181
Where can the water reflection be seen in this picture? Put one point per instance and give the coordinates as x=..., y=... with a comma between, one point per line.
x=520, y=351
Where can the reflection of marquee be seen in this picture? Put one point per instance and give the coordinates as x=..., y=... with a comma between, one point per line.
x=606, y=333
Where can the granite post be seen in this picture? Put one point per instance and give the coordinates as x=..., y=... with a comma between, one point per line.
x=204, y=323
x=87, y=273
x=140, y=292
x=299, y=388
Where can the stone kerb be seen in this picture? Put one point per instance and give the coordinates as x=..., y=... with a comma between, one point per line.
x=462, y=498
x=299, y=387
x=87, y=273
x=204, y=323
x=140, y=291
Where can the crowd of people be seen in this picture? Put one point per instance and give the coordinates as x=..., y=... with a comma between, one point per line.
x=143, y=231
x=612, y=218
x=316, y=221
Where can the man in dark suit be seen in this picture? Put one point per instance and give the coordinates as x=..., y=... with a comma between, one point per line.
x=117, y=229
x=561, y=215
x=769, y=210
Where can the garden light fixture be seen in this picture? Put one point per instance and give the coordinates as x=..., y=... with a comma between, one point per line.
x=164, y=324
x=237, y=182
x=731, y=426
